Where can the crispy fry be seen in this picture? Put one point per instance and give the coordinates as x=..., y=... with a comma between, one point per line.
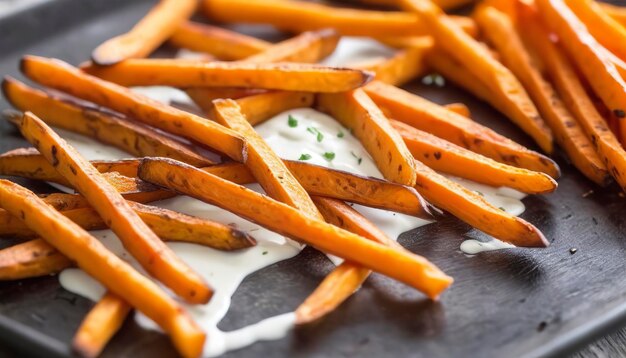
x=459, y=108
x=567, y=132
x=221, y=43
x=302, y=16
x=347, y=277
x=401, y=265
x=268, y=169
x=477, y=60
x=444, y=4
x=589, y=56
x=404, y=66
x=100, y=325
x=446, y=157
x=204, y=97
x=259, y=107
x=607, y=31
x=147, y=35
x=618, y=13
x=89, y=120
x=31, y=259
x=154, y=256
x=356, y=111
x=455, y=72
x=316, y=180
x=183, y=74
x=116, y=275
x=308, y=47
x=432, y=118
x=565, y=79
x=475, y=210
x=60, y=75
x=167, y=225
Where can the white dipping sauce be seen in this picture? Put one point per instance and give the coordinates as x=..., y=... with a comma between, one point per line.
x=225, y=271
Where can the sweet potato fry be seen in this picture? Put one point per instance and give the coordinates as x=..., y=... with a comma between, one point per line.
x=31, y=259
x=591, y=59
x=459, y=108
x=356, y=111
x=60, y=75
x=501, y=32
x=501, y=82
x=183, y=74
x=473, y=209
x=608, y=32
x=446, y=157
x=147, y=35
x=204, y=97
x=268, y=169
x=565, y=79
x=154, y=256
x=404, y=66
x=316, y=180
x=301, y=16
x=307, y=47
x=444, y=4
x=399, y=264
x=432, y=118
x=618, y=13
x=346, y=279
x=89, y=120
x=100, y=325
x=259, y=107
x=115, y=274
x=221, y=43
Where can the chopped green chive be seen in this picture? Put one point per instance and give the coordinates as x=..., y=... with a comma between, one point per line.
x=329, y=156
x=305, y=157
x=291, y=121
x=316, y=131
x=264, y=252
x=501, y=208
x=479, y=193
x=340, y=134
x=358, y=159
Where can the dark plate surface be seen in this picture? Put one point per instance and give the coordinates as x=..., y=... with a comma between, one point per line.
x=508, y=303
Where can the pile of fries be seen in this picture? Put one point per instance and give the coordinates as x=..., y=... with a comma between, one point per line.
x=554, y=67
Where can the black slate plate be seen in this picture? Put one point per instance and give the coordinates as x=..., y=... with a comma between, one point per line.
x=509, y=303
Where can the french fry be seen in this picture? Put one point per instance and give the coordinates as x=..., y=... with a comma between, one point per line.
x=147, y=35
x=167, y=225
x=446, y=157
x=261, y=107
x=221, y=43
x=591, y=59
x=183, y=74
x=402, y=67
x=473, y=209
x=204, y=97
x=100, y=325
x=154, y=256
x=444, y=4
x=618, y=13
x=31, y=259
x=459, y=108
x=501, y=32
x=432, y=118
x=565, y=79
x=477, y=60
x=356, y=111
x=307, y=47
x=60, y=75
x=607, y=31
x=316, y=180
x=86, y=119
x=281, y=218
x=301, y=16
x=115, y=274
x=346, y=279
x=454, y=71
x=268, y=169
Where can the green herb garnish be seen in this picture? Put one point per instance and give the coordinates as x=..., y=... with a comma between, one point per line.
x=340, y=134
x=358, y=159
x=291, y=121
x=264, y=252
x=317, y=132
x=305, y=157
x=501, y=208
x=329, y=156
